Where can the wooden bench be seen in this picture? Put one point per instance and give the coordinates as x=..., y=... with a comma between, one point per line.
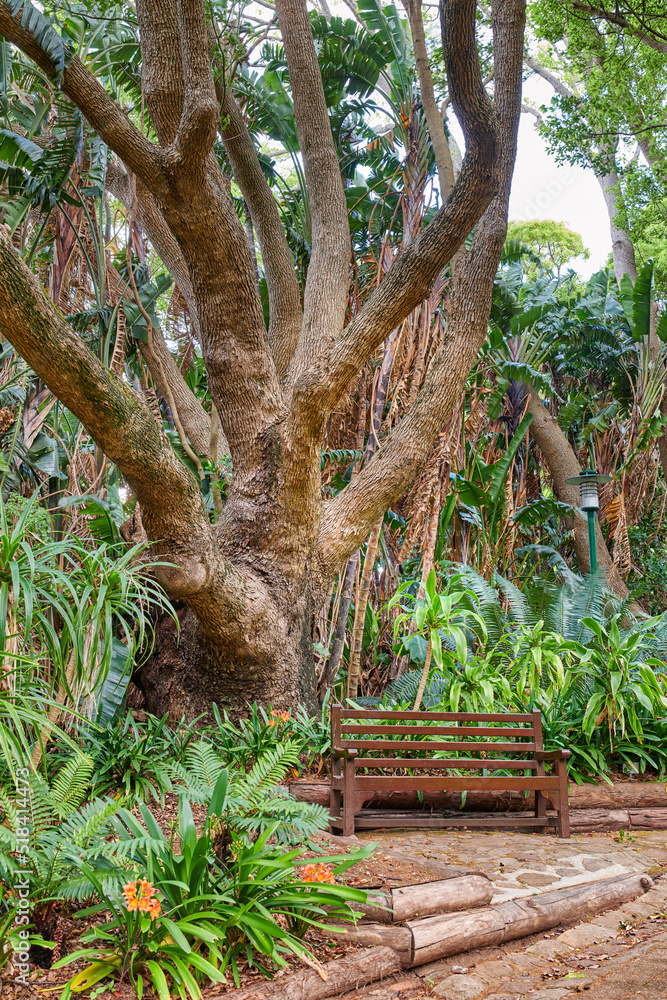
x=358, y=734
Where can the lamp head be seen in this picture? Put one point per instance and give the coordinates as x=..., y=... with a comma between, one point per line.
x=588, y=482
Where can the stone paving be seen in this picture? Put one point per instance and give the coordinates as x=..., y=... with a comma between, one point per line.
x=522, y=864
x=618, y=955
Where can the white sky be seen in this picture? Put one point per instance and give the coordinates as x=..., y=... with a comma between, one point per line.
x=543, y=190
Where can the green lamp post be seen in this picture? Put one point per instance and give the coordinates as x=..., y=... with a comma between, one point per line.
x=588, y=481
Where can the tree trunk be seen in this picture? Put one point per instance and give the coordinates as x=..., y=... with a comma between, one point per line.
x=333, y=663
x=248, y=582
x=356, y=642
x=187, y=672
x=563, y=465
x=424, y=676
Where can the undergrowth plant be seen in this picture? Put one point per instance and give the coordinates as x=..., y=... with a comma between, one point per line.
x=252, y=801
x=190, y=912
x=63, y=829
x=596, y=672
x=130, y=759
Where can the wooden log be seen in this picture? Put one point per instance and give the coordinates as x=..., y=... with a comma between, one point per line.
x=585, y=820
x=620, y=795
x=388, y=935
x=449, y=934
x=342, y=975
x=377, y=908
x=648, y=819
x=445, y=896
x=307, y=790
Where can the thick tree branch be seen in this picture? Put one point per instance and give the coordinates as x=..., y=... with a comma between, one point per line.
x=124, y=428
x=411, y=277
x=99, y=108
x=151, y=220
x=622, y=248
x=169, y=381
x=434, y=120
x=196, y=420
x=325, y=296
x=161, y=66
x=347, y=518
x=199, y=118
x=558, y=85
x=284, y=293
x=200, y=214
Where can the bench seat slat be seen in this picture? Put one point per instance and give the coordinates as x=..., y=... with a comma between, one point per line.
x=472, y=747
x=449, y=782
x=463, y=762
x=483, y=731
x=369, y=713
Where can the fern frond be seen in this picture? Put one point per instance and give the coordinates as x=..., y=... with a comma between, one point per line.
x=204, y=763
x=92, y=820
x=272, y=767
x=71, y=785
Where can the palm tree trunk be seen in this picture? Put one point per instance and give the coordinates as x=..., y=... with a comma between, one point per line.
x=427, y=667
x=331, y=670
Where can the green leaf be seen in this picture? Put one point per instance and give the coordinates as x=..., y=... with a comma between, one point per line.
x=503, y=466
x=159, y=980
x=176, y=934
x=641, y=302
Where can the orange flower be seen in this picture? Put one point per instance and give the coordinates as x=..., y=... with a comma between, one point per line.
x=130, y=893
x=140, y=896
x=317, y=873
x=277, y=716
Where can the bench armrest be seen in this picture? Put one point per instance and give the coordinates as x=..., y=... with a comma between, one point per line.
x=551, y=754
x=344, y=752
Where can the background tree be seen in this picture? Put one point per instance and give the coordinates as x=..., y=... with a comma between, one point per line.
x=552, y=241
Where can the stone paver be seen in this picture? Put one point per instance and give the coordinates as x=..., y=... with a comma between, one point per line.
x=459, y=987
x=585, y=935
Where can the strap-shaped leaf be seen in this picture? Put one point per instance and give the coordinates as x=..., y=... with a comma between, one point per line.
x=44, y=34
x=661, y=328
x=641, y=302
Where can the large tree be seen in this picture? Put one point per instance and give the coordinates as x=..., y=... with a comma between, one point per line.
x=250, y=581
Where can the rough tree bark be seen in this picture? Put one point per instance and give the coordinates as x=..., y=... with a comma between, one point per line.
x=248, y=583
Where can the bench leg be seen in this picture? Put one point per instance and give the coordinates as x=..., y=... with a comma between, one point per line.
x=563, y=825
x=348, y=799
x=335, y=796
x=540, y=798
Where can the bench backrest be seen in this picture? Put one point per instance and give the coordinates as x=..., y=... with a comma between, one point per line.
x=507, y=734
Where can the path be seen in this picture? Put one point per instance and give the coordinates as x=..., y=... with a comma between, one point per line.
x=620, y=955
